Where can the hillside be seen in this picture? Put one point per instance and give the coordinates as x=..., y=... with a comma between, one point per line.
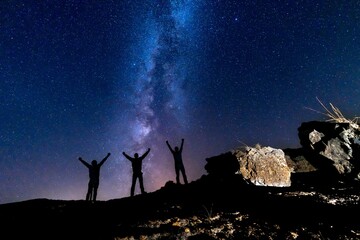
x=209, y=208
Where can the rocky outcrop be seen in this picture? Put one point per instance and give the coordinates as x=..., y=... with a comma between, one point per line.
x=222, y=165
x=264, y=166
x=332, y=148
x=295, y=159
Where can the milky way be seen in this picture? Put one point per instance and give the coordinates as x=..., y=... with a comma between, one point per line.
x=159, y=96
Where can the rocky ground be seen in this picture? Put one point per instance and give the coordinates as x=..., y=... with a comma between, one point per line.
x=209, y=208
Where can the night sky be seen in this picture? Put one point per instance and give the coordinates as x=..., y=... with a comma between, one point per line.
x=84, y=78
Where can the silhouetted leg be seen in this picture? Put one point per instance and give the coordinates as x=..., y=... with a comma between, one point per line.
x=95, y=194
x=95, y=188
x=184, y=175
x=133, y=185
x=141, y=183
x=177, y=175
x=88, y=194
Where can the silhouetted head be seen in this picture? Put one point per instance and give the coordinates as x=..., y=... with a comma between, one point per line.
x=177, y=149
x=136, y=155
x=94, y=162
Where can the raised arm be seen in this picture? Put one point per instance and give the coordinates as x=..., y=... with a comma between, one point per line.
x=167, y=143
x=182, y=144
x=102, y=161
x=145, y=154
x=127, y=156
x=85, y=163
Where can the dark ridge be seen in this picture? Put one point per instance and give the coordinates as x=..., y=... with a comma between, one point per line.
x=209, y=195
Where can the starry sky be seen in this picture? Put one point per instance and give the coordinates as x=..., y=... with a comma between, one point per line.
x=84, y=78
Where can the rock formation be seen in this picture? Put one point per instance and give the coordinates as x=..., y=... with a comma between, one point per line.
x=333, y=148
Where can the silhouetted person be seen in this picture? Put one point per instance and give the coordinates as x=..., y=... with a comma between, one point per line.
x=179, y=166
x=94, y=174
x=137, y=173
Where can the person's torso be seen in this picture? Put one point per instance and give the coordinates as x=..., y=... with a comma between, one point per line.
x=177, y=157
x=136, y=165
x=94, y=172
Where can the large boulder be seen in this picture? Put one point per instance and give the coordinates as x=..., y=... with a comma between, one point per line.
x=264, y=166
x=332, y=148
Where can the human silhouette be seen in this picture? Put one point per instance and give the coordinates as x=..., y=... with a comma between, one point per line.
x=94, y=174
x=137, y=173
x=179, y=166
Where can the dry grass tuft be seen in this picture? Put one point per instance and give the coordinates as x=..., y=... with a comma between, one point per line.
x=335, y=115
